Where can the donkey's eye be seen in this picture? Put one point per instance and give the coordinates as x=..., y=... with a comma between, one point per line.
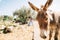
x=46, y=14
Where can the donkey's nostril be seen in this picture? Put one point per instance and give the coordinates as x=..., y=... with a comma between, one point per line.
x=43, y=36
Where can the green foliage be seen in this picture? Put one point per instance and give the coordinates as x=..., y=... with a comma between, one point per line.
x=7, y=18
x=22, y=15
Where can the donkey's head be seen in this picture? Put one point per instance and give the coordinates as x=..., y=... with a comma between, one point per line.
x=42, y=15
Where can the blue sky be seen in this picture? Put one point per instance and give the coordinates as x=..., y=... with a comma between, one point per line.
x=7, y=7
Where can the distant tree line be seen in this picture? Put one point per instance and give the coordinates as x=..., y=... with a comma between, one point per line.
x=22, y=15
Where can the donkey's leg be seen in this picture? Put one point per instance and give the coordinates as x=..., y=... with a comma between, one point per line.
x=56, y=33
x=50, y=34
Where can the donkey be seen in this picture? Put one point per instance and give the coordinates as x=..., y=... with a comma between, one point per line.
x=42, y=17
x=54, y=28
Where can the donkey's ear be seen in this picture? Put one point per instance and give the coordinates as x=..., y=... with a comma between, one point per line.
x=33, y=7
x=48, y=3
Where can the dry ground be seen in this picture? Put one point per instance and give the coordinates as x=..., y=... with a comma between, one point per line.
x=18, y=34
x=21, y=32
